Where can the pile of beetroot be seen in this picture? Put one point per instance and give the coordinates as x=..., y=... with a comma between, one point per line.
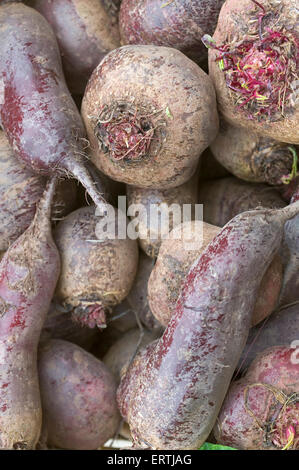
x=147, y=338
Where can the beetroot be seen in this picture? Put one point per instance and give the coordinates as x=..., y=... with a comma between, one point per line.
x=182, y=379
x=252, y=157
x=149, y=112
x=37, y=113
x=176, y=257
x=290, y=288
x=261, y=410
x=86, y=30
x=96, y=273
x=78, y=397
x=254, y=64
x=28, y=274
x=151, y=236
x=227, y=197
x=280, y=329
x=21, y=190
x=170, y=23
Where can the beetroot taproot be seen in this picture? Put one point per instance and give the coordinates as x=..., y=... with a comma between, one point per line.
x=21, y=190
x=158, y=211
x=37, y=112
x=149, y=112
x=176, y=257
x=281, y=328
x=251, y=157
x=28, y=274
x=183, y=378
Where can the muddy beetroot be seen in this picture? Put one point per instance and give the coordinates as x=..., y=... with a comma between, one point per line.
x=28, y=274
x=149, y=112
x=254, y=63
x=37, y=112
x=182, y=380
x=261, y=410
x=78, y=397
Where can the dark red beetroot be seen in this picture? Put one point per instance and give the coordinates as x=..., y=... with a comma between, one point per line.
x=183, y=379
x=178, y=24
x=261, y=411
x=28, y=274
x=78, y=397
x=224, y=198
x=254, y=64
x=86, y=30
x=281, y=328
x=37, y=112
x=21, y=190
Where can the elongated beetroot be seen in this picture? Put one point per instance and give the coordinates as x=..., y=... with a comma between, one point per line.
x=176, y=257
x=86, y=30
x=170, y=23
x=182, y=380
x=149, y=112
x=37, y=113
x=254, y=64
x=252, y=157
x=21, y=190
x=261, y=410
x=28, y=274
x=78, y=397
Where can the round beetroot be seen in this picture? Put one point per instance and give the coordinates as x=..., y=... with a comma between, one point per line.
x=149, y=112
x=78, y=397
x=96, y=274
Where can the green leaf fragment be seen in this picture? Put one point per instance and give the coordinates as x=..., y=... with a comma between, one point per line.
x=209, y=446
x=288, y=178
x=168, y=113
x=208, y=41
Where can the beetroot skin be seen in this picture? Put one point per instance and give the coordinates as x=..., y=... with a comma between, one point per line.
x=178, y=24
x=149, y=112
x=28, y=274
x=86, y=31
x=261, y=411
x=78, y=397
x=183, y=378
x=37, y=112
x=254, y=64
